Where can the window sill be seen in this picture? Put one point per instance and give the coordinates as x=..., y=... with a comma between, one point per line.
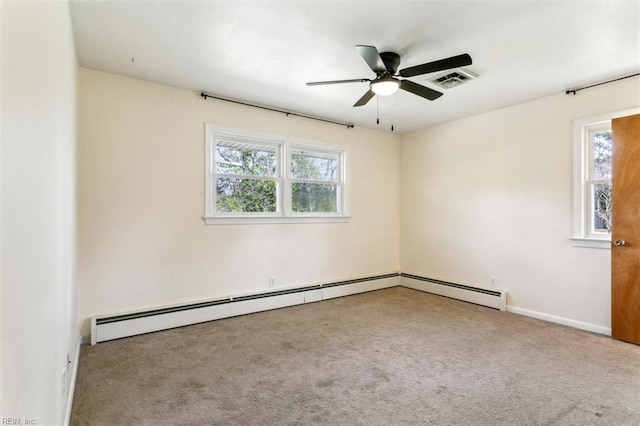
x=237, y=220
x=591, y=243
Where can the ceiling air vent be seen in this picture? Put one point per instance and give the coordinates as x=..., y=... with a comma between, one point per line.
x=453, y=78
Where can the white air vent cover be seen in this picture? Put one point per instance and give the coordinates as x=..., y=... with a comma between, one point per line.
x=452, y=78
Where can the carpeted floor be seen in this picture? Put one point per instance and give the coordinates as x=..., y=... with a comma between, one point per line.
x=389, y=357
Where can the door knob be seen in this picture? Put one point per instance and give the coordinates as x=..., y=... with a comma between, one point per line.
x=619, y=243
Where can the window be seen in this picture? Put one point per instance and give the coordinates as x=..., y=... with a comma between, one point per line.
x=246, y=177
x=314, y=181
x=255, y=178
x=598, y=179
x=592, y=188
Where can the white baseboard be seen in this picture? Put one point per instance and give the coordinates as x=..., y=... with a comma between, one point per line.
x=265, y=304
x=110, y=327
x=361, y=287
x=72, y=384
x=246, y=304
x=560, y=320
x=492, y=298
x=118, y=330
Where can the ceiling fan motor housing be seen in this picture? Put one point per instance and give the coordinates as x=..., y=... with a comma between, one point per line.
x=391, y=61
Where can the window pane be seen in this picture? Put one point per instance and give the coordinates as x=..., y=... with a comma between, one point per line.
x=310, y=166
x=602, y=207
x=245, y=195
x=245, y=160
x=314, y=197
x=602, y=154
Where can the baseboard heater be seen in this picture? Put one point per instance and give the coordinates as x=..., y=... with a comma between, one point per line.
x=492, y=298
x=116, y=326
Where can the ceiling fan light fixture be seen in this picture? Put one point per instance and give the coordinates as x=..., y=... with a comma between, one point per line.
x=385, y=86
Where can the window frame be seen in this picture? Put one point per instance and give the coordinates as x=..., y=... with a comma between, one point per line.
x=284, y=148
x=582, y=234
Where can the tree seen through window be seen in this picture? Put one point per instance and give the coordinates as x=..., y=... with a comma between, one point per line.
x=246, y=178
x=601, y=176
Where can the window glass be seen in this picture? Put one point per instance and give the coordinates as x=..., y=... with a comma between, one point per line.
x=310, y=166
x=244, y=159
x=314, y=197
x=602, y=150
x=245, y=195
x=598, y=181
x=601, y=207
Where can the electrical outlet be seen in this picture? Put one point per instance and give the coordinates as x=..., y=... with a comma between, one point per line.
x=492, y=280
x=272, y=282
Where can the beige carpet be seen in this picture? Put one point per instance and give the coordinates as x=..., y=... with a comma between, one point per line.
x=390, y=357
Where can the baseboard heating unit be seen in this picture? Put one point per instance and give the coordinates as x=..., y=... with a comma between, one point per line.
x=492, y=298
x=116, y=326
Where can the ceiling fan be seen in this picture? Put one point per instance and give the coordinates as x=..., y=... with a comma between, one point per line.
x=385, y=65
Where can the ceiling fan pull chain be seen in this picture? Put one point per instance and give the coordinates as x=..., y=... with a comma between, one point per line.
x=392, y=115
x=377, y=110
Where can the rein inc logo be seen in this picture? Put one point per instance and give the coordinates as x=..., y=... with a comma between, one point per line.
x=17, y=421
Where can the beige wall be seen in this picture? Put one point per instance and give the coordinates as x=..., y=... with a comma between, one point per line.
x=490, y=195
x=39, y=325
x=143, y=242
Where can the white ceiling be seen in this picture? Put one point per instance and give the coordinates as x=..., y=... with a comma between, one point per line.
x=264, y=52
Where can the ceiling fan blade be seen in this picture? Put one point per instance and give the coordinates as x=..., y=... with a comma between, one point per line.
x=372, y=58
x=364, y=99
x=354, y=80
x=419, y=90
x=443, y=64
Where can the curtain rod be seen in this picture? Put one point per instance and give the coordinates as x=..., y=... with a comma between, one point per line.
x=573, y=91
x=287, y=113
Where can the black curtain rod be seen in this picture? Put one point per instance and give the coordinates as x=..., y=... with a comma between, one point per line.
x=573, y=91
x=287, y=113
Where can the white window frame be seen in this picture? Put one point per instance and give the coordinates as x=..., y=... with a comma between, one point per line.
x=284, y=147
x=582, y=218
